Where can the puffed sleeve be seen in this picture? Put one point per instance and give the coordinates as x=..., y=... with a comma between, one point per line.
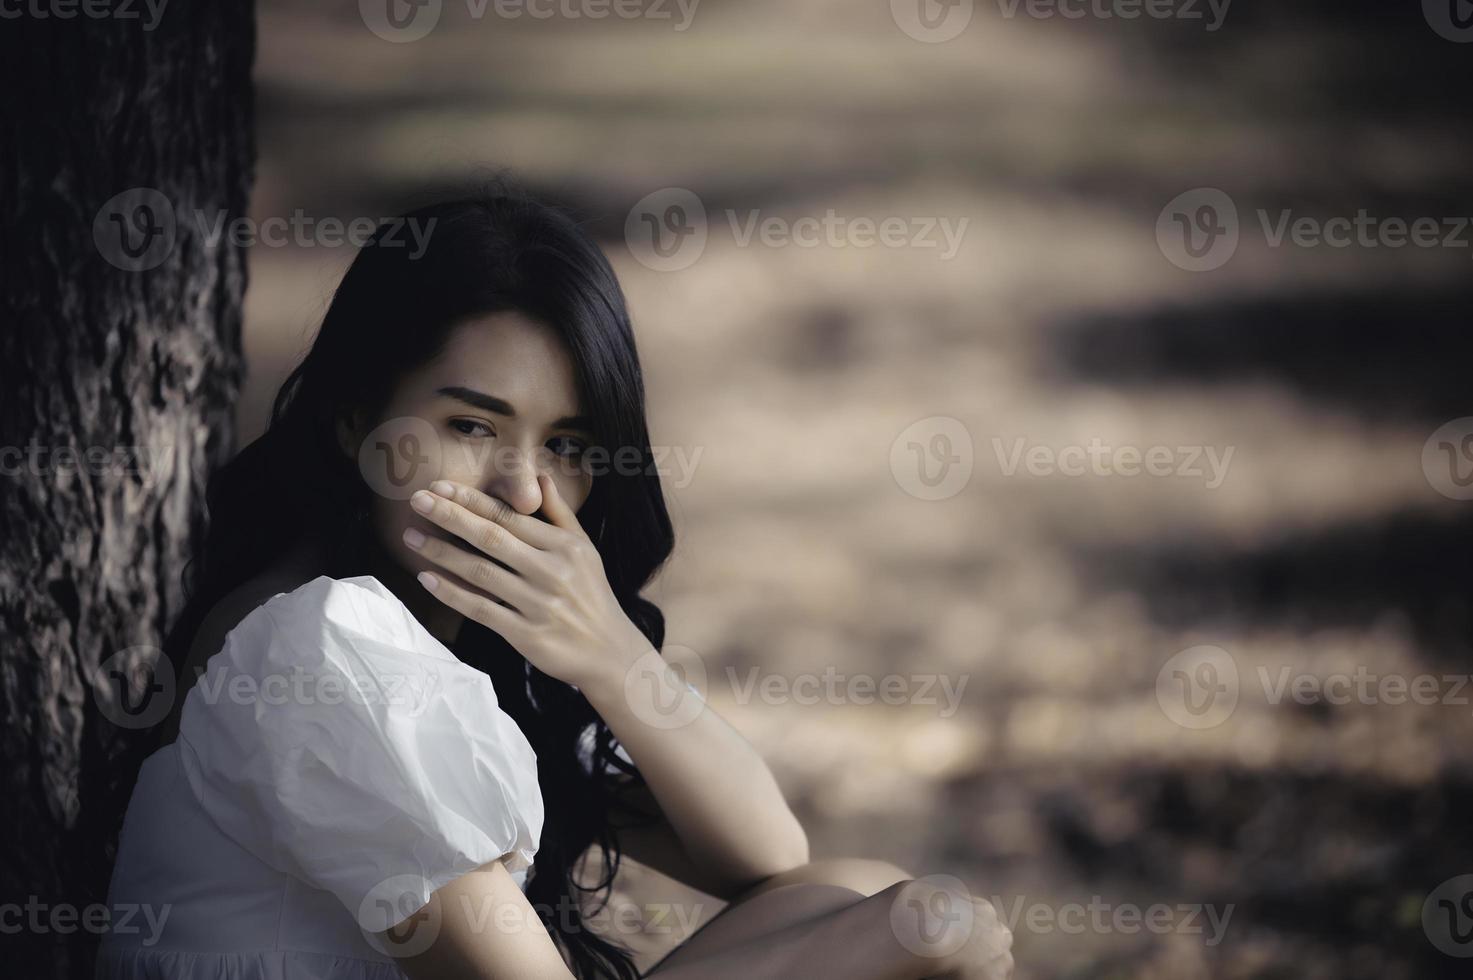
x=336, y=740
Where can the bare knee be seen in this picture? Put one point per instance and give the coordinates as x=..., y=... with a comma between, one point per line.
x=753, y=916
x=863, y=875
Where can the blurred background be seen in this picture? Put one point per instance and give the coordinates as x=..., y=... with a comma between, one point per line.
x=882, y=441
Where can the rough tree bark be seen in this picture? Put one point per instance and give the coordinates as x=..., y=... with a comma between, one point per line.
x=119, y=364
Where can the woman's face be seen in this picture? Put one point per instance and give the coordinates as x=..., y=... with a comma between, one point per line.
x=497, y=407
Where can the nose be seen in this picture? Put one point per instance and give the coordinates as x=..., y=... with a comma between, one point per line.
x=513, y=479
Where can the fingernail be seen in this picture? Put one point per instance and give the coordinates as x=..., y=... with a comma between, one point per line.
x=443, y=487
x=414, y=537
x=428, y=581
x=422, y=502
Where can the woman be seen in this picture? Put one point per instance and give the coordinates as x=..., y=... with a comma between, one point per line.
x=422, y=684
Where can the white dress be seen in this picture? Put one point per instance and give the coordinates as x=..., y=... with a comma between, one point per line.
x=334, y=766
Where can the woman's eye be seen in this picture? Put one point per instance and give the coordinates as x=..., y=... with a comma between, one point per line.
x=567, y=446
x=470, y=427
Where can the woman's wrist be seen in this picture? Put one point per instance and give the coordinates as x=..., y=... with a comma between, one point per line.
x=608, y=669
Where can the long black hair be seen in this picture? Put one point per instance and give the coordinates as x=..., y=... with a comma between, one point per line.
x=498, y=250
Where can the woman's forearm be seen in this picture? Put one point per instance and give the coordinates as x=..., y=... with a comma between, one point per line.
x=718, y=794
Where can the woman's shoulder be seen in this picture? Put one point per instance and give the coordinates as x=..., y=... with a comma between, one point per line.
x=333, y=737
x=282, y=577
x=360, y=603
x=289, y=607
x=333, y=659
x=280, y=599
x=331, y=626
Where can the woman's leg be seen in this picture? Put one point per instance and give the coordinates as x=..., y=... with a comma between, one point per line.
x=833, y=918
x=829, y=885
x=794, y=930
x=863, y=875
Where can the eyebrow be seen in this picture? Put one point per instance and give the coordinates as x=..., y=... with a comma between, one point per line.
x=501, y=406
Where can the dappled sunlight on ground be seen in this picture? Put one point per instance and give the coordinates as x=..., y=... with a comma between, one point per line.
x=1294, y=529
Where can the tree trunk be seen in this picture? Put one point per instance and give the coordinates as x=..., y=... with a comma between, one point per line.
x=124, y=133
